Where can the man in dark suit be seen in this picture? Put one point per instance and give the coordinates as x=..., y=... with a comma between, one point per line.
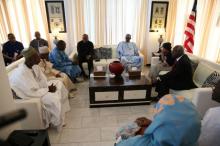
x=180, y=77
x=85, y=51
x=12, y=49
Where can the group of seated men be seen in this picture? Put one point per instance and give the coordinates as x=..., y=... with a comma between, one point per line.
x=176, y=62
x=50, y=75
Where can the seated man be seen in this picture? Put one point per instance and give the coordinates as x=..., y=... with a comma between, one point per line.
x=28, y=81
x=11, y=49
x=128, y=53
x=176, y=122
x=51, y=73
x=85, y=51
x=38, y=42
x=61, y=61
x=166, y=59
x=180, y=77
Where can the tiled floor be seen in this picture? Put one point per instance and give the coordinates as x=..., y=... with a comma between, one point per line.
x=94, y=126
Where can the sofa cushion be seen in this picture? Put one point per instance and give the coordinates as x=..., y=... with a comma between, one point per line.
x=201, y=74
x=216, y=92
x=106, y=53
x=189, y=94
x=212, y=80
x=97, y=54
x=194, y=64
x=102, y=53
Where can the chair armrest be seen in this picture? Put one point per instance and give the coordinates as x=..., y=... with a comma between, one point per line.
x=155, y=60
x=142, y=56
x=203, y=100
x=34, y=119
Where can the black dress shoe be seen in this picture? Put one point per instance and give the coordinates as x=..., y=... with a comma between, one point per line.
x=85, y=76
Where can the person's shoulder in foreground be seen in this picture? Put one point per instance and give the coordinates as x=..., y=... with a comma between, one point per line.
x=210, y=128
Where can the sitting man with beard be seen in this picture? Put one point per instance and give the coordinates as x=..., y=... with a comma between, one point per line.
x=28, y=81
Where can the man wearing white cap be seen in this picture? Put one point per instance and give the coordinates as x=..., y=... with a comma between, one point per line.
x=28, y=81
x=51, y=73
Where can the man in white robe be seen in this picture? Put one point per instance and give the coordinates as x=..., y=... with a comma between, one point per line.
x=28, y=81
x=128, y=53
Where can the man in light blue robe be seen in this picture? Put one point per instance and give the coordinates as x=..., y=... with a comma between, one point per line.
x=176, y=123
x=61, y=61
x=128, y=53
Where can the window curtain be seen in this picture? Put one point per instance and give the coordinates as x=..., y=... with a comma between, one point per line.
x=4, y=22
x=211, y=46
x=23, y=18
x=171, y=23
x=107, y=21
x=207, y=34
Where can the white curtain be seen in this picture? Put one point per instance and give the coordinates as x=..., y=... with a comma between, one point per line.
x=107, y=21
x=23, y=18
x=207, y=34
x=213, y=44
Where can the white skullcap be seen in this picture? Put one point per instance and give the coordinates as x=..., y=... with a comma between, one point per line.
x=43, y=50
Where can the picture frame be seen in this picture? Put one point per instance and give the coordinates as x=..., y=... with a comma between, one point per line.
x=158, y=20
x=56, y=16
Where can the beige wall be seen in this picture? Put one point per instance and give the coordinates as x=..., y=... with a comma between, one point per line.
x=6, y=99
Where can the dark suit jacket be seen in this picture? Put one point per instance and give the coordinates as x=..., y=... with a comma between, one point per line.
x=180, y=77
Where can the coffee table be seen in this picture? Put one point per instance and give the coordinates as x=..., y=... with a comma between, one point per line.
x=119, y=85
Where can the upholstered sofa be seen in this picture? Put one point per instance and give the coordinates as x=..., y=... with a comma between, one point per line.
x=201, y=97
x=105, y=61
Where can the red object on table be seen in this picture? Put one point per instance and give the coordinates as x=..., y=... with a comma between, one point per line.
x=116, y=68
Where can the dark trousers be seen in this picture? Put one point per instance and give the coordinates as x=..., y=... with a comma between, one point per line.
x=162, y=88
x=89, y=62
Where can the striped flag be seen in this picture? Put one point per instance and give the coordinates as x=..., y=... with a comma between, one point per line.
x=190, y=30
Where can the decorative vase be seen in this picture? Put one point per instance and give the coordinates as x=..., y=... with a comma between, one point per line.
x=116, y=68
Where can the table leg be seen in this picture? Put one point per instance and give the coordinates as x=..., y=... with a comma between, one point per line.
x=148, y=93
x=120, y=95
x=92, y=96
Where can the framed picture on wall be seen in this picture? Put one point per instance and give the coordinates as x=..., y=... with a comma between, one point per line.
x=56, y=16
x=158, y=18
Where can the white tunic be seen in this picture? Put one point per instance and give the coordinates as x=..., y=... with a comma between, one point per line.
x=210, y=131
x=32, y=83
x=128, y=54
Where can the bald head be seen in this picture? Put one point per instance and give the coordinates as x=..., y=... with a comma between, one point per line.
x=178, y=51
x=128, y=37
x=37, y=35
x=85, y=37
